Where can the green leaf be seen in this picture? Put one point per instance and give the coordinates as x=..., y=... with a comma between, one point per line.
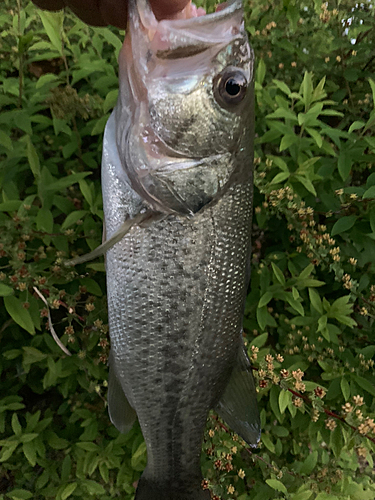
x=139, y=457
x=372, y=85
x=19, y=494
x=356, y=126
x=305, y=273
x=278, y=273
x=309, y=464
x=12, y=354
x=44, y=220
x=7, y=451
x=16, y=426
x=282, y=86
x=5, y=140
x=86, y=191
x=19, y=314
x=110, y=38
x=44, y=79
x=100, y=124
x=68, y=490
x=264, y=318
x=66, y=468
x=315, y=300
x=30, y=453
x=345, y=320
x=327, y=496
x=287, y=114
x=10, y=206
x=315, y=135
x=295, y=293
x=297, y=306
x=265, y=299
x=260, y=340
x=277, y=485
x=365, y=384
x=72, y=218
x=267, y=442
x=32, y=355
x=88, y=446
x=306, y=183
x=56, y=442
x=260, y=72
x=344, y=165
x=369, y=193
x=33, y=158
x=5, y=290
x=302, y=495
x=65, y=182
x=322, y=326
x=307, y=88
x=53, y=23
x=280, y=177
x=110, y=100
x=93, y=487
x=285, y=397
x=100, y=267
x=372, y=221
x=336, y=441
x=286, y=141
x=92, y=286
x=345, y=389
x=343, y=224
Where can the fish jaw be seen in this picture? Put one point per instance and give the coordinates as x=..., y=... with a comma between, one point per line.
x=167, y=112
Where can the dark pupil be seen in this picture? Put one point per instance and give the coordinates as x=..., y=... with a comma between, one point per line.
x=232, y=87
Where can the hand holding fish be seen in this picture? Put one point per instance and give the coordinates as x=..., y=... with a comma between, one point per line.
x=115, y=12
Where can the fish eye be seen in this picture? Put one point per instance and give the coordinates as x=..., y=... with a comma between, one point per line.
x=230, y=87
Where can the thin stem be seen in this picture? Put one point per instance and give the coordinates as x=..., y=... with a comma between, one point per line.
x=21, y=58
x=326, y=410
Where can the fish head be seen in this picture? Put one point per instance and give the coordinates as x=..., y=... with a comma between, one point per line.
x=184, y=115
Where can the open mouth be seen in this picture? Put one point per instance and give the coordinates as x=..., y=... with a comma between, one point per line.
x=191, y=26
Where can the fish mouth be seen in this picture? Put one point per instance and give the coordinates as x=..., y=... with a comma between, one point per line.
x=192, y=30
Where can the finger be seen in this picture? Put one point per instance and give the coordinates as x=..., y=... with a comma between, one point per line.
x=114, y=12
x=167, y=8
x=88, y=11
x=50, y=4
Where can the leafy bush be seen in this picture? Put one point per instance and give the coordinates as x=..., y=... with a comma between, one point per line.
x=310, y=312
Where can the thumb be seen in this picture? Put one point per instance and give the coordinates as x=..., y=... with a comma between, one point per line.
x=167, y=8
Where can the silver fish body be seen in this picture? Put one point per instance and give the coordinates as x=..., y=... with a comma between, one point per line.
x=179, y=146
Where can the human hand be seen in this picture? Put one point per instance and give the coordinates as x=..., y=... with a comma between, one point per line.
x=104, y=12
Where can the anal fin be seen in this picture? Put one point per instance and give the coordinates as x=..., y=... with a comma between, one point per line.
x=121, y=413
x=238, y=405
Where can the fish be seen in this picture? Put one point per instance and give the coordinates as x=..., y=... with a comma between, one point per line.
x=177, y=174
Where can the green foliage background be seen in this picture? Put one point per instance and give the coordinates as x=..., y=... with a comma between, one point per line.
x=310, y=313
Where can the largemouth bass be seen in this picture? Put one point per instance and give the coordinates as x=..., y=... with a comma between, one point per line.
x=177, y=164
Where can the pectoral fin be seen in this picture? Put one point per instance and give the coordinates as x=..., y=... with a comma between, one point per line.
x=238, y=405
x=143, y=218
x=122, y=415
